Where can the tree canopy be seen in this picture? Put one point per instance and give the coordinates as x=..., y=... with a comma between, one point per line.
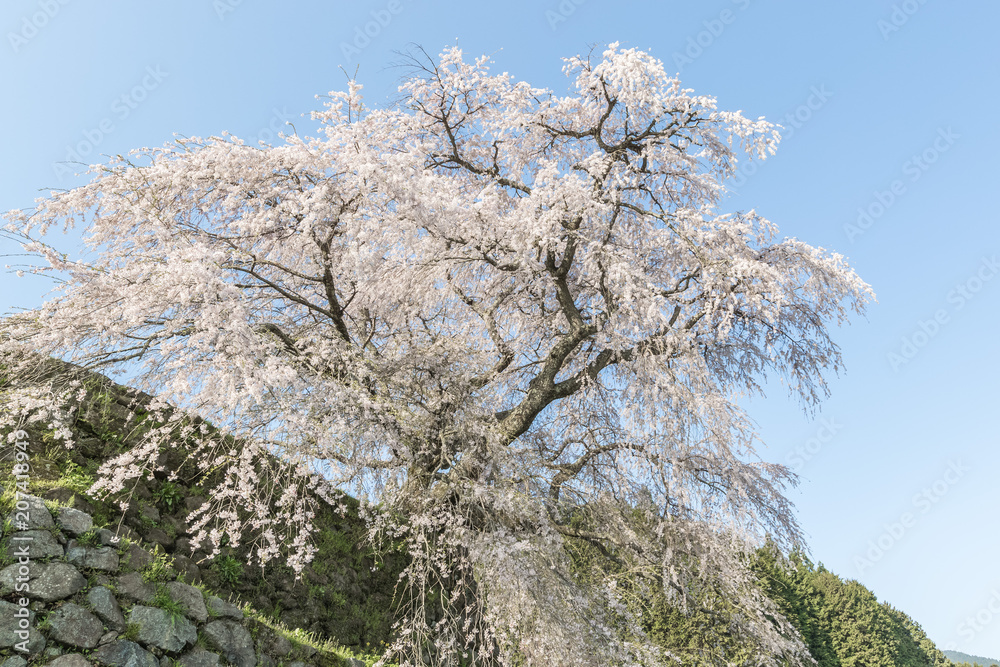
x=508, y=318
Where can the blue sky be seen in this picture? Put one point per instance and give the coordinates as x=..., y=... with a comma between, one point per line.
x=889, y=158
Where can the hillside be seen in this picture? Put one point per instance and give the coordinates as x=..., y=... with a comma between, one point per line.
x=340, y=608
x=960, y=658
x=340, y=613
x=843, y=622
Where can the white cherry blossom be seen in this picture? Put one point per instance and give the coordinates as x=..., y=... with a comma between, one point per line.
x=503, y=316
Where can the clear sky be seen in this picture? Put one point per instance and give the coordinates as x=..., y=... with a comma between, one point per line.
x=889, y=158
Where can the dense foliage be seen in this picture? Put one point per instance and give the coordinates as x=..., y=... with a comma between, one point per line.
x=842, y=622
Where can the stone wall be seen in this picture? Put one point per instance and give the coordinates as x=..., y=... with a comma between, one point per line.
x=144, y=554
x=78, y=596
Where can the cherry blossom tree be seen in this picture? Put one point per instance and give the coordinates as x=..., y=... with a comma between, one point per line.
x=507, y=319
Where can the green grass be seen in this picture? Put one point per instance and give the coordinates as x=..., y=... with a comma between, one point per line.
x=52, y=506
x=328, y=652
x=276, y=612
x=75, y=478
x=89, y=539
x=131, y=632
x=169, y=496
x=229, y=570
x=163, y=600
x=159, y=570
x=45, y=623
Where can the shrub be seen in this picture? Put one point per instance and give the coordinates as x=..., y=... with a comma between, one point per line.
x=169, y=496
x=229, y=570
